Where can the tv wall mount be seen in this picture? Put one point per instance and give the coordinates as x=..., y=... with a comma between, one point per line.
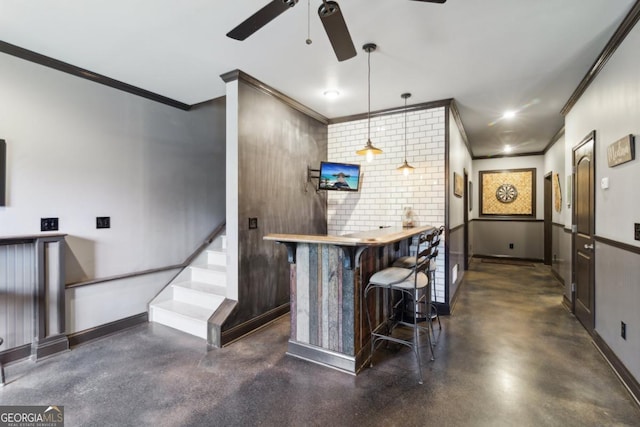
x=311, y=175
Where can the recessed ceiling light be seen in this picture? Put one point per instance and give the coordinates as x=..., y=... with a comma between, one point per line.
x=509, y=114
x=331, y=94
x=507, y=148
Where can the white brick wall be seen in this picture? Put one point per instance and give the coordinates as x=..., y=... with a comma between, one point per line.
x=384, y=192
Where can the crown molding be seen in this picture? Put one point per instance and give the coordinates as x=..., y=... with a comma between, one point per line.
x=242, y=76
x=390, y=111
x=616, y=40
x=47, y=61
x=554, y=139
x=458, y=119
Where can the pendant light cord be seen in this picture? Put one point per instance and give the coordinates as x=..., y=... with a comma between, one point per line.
x=369, y=97
x=405, y=129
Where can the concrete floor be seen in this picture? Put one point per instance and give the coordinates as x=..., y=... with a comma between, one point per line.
x=509, y=355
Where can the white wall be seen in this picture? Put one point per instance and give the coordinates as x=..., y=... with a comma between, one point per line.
x=77, y=150
x=611, y=107
x=554, y=162
x=385, y=191
x=102, y=303
x=232, y=212
x=459, y=161
x=493, y=237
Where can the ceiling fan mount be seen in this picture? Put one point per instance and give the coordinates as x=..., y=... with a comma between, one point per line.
x=369, y=47
x=330, y=15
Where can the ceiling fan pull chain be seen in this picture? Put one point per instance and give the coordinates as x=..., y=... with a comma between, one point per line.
x=309, y=41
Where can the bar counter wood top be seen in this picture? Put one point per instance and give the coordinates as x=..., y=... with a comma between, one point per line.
x=327, y=278
x=378, y=237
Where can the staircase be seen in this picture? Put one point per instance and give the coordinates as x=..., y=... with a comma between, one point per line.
x=195, y=301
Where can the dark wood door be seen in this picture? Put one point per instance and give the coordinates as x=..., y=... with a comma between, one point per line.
x=465, y=203
x=548, y=213
x=583, y=242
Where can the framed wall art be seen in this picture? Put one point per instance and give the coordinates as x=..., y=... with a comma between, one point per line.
x=557, y=193
x=510, y=192
x=458, y=185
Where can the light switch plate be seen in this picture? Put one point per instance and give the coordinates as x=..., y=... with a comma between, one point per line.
x=604, y=183
x=48, y=224
x=103, y=222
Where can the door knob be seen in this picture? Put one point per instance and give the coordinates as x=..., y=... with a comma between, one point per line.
x=588, y=246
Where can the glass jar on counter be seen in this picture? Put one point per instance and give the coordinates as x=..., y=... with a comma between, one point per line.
x=407, y=217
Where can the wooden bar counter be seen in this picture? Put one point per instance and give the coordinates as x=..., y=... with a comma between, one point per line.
x=328, y=275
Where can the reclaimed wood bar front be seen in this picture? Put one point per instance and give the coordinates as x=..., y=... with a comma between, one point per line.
x=328, y=275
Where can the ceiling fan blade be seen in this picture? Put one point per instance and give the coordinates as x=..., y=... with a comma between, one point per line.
x=261, y=18
x=337, y=31
x=432, y=1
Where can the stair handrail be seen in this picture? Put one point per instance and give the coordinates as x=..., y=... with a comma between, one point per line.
x=210, y=238
x=181, y=266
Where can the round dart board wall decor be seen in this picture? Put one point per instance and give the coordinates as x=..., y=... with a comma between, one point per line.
x=506, y=193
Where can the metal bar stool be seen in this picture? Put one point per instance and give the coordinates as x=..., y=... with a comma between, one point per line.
x=409, y=262
x=409, y=284
x=432, y=275
x=1, y=367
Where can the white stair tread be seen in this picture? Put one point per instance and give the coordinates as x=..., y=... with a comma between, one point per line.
x=202, y=287
x=211, y=267
x=187, y=310
x=218, y=245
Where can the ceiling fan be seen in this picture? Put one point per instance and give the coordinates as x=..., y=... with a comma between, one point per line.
x=330, y=16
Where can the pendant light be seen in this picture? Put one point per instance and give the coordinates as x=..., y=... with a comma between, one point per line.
x=406, y=168
x=369, y=150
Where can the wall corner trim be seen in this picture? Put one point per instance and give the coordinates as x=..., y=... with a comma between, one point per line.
x=47, y=61
x=456, y=116
x=554, y=139
x=241, y=75
x=616, y=40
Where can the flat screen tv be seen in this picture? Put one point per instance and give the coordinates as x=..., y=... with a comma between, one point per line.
x=339, y=176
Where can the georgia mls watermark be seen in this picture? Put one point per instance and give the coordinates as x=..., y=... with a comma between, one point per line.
x=31, y=416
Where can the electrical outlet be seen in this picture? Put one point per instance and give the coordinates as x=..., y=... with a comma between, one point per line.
x=510, y=245
x=623, y=330
x=48, y=224
x=253, y=223
x=636, y=231
x=103, y=222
